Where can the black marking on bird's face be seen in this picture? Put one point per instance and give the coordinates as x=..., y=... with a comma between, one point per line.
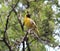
x=28, y=15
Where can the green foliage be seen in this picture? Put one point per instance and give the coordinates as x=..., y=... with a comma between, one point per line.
x=41, y=13
x=37, y=47
x=3, y=47
x=58, y=14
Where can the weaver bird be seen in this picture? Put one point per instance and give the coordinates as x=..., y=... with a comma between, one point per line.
x=30, y=24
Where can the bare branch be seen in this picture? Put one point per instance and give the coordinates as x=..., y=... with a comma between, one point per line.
x=23, y=46
x=27, y=44
x=7, y=45
x=8, y=18
x=7, y=21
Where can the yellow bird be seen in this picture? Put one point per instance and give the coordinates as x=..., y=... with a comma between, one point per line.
x=30, y=24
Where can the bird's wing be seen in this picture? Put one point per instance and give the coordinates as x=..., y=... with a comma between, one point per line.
x=32, y=22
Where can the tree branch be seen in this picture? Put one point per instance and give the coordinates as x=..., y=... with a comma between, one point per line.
x=27, y=44
x=7, y=21
x=8, y=18
x=7, y=45
x=23, y=46
x=25, y=37
x=19, y=19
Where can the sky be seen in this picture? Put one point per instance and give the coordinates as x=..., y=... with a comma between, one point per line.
x=52, y=49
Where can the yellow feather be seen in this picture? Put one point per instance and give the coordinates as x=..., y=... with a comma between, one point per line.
x=30, y=24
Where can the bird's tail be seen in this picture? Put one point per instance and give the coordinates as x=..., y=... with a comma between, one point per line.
x=36, y=34
x=37, y=31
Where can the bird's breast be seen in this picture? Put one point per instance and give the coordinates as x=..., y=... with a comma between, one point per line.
x=28, y=23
